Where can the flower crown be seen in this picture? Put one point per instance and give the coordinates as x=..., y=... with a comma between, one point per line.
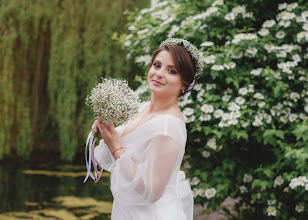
x=192, y=50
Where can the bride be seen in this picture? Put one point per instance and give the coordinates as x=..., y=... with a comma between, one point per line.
x=145, y=156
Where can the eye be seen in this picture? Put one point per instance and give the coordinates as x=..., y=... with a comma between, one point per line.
x=172, y=71
x=156, y=65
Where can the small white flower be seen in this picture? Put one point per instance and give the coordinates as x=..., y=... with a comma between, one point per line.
x=300, y=19
x=217, y=67
x=251, y=88
x=226, y=98
x=232, y=121
x=146, y=59
x=218, y=113
x=187, y=165
x=244, y=124
x=251, y=52
x=281, y=54
x=209, y=59
x=240, y=100
x=268, y=23
x=247, y=178
x=301, y=35
x=278, y=181
x=226, y=117
x=261, y=104
x=256, y=72
x=235, y=115
x=280, y=34
x=299, y=208
x=302, y=180
x=303, y=116
x=263, y=31
x=237, y=55
x=229, y=65
x=271, y=201
x=210, y=86
x=191, y=119
x=207, y=44
x=292, y=117
x=212, y=143
x=243, y=189
x=282, y=6
x=292, y=6
x=283, y=119
x=268, y=118
x=205, y=117
x=257, y=123
x=230, y=16
x=285, y=15
x=205, y=153
x=188, y=111
x=306, y=187
x=207, y=108
x=258, y=95
x=196, y=192
x=197, y=87
x=243, y=91
x=195, y=181
x=294, y=96
x=233, y=107
x=284, y=23
x=218, y=2
x=271, y=211
x=210, y=193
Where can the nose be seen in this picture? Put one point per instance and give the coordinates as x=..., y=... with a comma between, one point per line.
x=160, y=73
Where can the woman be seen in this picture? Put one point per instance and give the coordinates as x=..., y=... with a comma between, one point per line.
x=145, y=156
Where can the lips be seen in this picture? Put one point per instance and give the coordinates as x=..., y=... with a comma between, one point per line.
x=157, y=82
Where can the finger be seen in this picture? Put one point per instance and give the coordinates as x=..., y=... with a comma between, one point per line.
x=94, y=126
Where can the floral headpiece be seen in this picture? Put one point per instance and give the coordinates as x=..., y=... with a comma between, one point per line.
x=192, y=50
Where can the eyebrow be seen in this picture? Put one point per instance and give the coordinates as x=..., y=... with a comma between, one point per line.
x=167, y=65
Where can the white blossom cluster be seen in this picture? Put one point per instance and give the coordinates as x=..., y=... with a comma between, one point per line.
x=271, y=211
x=238, y=10
x=299, y=181
x=242, y=36
x=299, y=208
x=278, y=181
x=204, y=193
x=209, y=11
x=247, y=178
x=114, y=101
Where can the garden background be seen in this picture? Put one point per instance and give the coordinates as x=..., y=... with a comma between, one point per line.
x=247, y=129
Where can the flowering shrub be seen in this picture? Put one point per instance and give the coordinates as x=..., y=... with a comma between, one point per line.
x=248, y=129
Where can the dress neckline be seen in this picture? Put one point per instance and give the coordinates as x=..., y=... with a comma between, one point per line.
x=166, y=114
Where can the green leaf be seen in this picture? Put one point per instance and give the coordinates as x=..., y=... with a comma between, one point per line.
x=301, y=132
x=269, y=173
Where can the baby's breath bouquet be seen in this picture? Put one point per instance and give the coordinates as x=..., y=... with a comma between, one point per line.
x=114, y=102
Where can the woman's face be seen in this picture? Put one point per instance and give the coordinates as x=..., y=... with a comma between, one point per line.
x=163, y=77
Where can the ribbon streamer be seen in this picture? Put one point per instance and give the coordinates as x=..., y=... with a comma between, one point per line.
x=91, y=143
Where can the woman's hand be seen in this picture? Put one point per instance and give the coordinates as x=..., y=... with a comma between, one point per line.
x=109, y=134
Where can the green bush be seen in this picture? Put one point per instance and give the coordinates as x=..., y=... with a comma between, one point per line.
x=248, y=113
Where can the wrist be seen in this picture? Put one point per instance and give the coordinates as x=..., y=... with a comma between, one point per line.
x=117, y=152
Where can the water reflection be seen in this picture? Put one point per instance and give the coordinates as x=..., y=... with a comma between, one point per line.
x=47, y=191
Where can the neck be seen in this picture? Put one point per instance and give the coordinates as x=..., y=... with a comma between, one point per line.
x=159, y=104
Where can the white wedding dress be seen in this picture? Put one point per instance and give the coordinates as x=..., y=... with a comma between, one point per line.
x=146, y=181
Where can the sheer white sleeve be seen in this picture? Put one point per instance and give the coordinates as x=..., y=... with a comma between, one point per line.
x=143, y=182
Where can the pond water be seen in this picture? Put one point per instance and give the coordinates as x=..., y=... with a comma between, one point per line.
x=51, y=191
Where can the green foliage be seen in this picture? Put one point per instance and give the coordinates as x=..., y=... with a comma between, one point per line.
x=247, y=115
x=52, y=53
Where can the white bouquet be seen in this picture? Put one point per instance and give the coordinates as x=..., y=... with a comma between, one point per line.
x=114, y=102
